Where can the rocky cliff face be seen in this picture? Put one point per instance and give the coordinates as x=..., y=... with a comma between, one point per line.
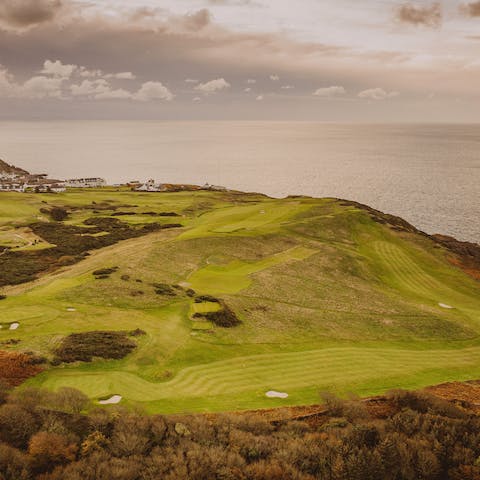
x=7, y=169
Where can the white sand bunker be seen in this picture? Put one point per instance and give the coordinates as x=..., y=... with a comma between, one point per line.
x=444, y=305
x=14, y=326
x=71, y=309
x=274, y=394
x=112, y=400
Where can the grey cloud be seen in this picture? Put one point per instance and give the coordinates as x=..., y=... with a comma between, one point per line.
x=428, y=16
x=27, y=13
x=471, y=9
x=250, y=3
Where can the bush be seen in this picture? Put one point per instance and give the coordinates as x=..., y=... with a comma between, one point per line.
x=16, y=367
x=164, y=289
x=225, y=317
x=104, y=271
x=206, y=298
x=85, y=346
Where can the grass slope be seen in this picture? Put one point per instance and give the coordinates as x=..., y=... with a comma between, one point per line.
x=328, y=299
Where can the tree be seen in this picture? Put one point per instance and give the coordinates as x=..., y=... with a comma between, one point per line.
x=48, y=450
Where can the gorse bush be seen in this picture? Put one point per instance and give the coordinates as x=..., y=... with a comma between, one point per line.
x=84, y=346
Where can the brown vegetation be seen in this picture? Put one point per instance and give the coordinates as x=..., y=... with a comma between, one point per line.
x=225, y=317
x=16, y=367
x=85, y=346
x=43, y=436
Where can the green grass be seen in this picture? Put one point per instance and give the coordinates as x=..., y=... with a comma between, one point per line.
x=328, y=300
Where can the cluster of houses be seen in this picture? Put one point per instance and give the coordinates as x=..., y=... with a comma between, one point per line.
x=152, y=186
x=14, y=179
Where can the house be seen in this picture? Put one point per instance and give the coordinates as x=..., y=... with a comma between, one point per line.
x=215, y=188
x=93, y=182
x=13, y=179
x=150, y=186
x=7, y=185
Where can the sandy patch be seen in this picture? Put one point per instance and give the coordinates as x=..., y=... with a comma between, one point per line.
x=274, y=394
x=71, y=309
x=112, y=400
x=185, y=284
x=444, y=305
x=14, y=326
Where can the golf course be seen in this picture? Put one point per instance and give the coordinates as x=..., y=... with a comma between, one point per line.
x=231, y=295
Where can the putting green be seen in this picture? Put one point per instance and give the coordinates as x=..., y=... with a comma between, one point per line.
x=235, y=276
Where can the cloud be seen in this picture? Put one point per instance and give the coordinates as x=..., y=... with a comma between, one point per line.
x=248, y=90
x=153, y=91
x=428, y=16
x=84, y=72
x=21, y=14
x=274, y=78
x=251, y=81
x=121, y=76
x=259, y=98
x=287, y=87
x=329, y=92
x=196, y=100
x=377, y=94
x=197, y=21
x=41, y=87
x=191, y=80
x=471, y=9
x=111, y=94
x=58, y=69
x=234, y=2
x=57, y=85
x=90, y=87
x=37, y=87
x=213, y=86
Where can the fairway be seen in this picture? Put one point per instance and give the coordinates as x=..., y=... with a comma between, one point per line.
x=327, y=299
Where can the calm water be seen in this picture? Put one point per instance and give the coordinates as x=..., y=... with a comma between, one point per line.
x=428, y=174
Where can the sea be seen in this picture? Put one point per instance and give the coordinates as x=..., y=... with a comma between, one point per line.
x=427, y=174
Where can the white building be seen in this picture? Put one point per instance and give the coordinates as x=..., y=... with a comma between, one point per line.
x=215, y=188
x=11, y=186
x=150, y=186
x=93, y=182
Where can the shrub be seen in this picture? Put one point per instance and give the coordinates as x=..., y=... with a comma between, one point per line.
x=85, y=346
x=58, y=214
x=17, y=367
x=225, y=317
x=206, y=298
x=104, y=271
x=164, y=289
x=50, y=449
x=137, y=332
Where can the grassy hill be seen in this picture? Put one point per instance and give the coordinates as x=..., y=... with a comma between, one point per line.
x=329, y=297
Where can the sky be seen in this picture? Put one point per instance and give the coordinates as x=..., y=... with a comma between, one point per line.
x=322, y=60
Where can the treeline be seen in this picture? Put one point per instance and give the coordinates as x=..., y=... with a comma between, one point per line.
x=45, y=436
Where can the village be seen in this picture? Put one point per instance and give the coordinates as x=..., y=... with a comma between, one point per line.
x=14, y=179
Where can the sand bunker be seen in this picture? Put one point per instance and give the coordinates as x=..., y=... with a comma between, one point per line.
x=14, y=326
x=71, y=309
x=444, y=305
x=274, y=394
x=112, y=400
